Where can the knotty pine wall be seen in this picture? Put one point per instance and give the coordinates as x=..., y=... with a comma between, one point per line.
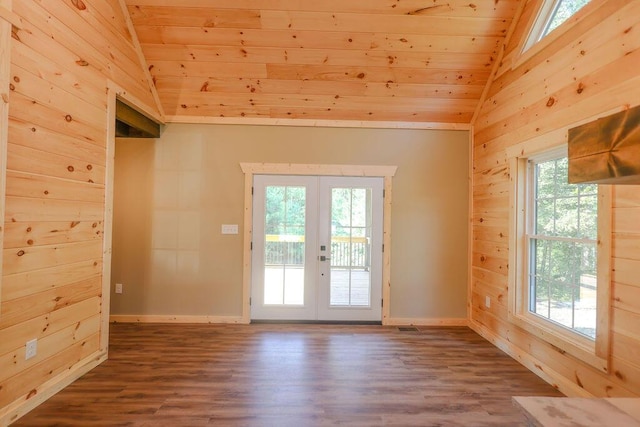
x=62, y=55
x=591, y=70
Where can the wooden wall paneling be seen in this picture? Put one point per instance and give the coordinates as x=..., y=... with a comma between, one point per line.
x=5, y=75
x=52, y=290
x=409, y=7
x=41, y=326
x=574, y=47
x=25, y=209
x=54, y=118
x=63, y=78
x=374, y=74
x=324, y=101
x=450, y=118
x=344, y=57
x=21, y=234
x=91, y=47
x=318, y=87
x=23, y=385
x=301, y=39
x=577, y=58
x=206, y=69
x=22, y=309
x=22, y=184
x=130, y=31
x=394, y=24
x=37, y=257
x=588, y=71
x=30, y=135
x=31, y=282
x=49, y=346
x=22, y=158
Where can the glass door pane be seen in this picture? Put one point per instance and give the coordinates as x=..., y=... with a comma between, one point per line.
x=284, y=241
x=350, y=275
x=350, y=251
x=283, y=259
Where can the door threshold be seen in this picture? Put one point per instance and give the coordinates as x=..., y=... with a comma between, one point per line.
x=315, y=322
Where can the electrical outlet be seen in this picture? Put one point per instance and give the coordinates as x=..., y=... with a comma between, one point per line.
x=487, y=301
x=31, y=349
x=118, y=288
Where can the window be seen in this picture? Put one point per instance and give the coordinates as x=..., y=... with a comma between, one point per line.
x=559, y=248
x=561, y=240
x=552, y=14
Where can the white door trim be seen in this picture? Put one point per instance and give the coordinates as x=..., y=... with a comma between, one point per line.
x=250, y=169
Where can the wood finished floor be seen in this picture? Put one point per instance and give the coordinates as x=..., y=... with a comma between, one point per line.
x=294, y=375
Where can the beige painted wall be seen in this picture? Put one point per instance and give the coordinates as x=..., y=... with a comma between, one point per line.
x=173, y=194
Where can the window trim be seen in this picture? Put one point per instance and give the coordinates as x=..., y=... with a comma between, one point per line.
x=595, y=353
x=529, y=46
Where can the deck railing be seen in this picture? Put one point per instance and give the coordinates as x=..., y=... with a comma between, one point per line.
x=346, y=252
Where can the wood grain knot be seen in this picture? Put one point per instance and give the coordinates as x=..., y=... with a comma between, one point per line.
x=28, y=229
x=46, y=192
x=94, y=225
x=11, y=86
x=361, y=75
x=20, y=252
x=74, y=223
x=82, y=63
x=551, y=101
x=89, y=167
x=79, y=4
x=68, y=118
x=29, y=242
x=32, y=393
x=580, y=88
x=70, y=168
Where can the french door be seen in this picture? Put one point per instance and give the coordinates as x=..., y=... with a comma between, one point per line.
x=317, y=248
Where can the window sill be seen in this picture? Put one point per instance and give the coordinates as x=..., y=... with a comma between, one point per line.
x=563, y=340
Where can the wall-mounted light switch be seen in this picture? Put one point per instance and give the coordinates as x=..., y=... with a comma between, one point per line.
x=229, y=228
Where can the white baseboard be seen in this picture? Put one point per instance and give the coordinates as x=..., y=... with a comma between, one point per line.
x=556, y=380
x=152, y=318
x=18, y=409
x=398, y=321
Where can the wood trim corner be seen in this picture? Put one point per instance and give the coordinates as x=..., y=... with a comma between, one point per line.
x=142, y=59
x=5, y=77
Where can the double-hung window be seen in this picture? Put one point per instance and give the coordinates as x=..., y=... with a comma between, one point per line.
x=557, y=254
x=561, y=241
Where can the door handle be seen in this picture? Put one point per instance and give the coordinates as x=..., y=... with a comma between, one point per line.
x=324, y=258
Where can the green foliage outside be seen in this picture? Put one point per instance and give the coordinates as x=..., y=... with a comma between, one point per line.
x=562, y=210
x=564, y=11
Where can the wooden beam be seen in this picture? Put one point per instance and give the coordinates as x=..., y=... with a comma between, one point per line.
x=131, y=123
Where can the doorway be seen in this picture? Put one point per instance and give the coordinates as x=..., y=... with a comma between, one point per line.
x=317, y=248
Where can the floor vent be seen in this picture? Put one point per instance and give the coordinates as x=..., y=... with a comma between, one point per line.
x=408, y=329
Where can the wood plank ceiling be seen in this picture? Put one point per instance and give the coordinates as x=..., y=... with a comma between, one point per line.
x=365, y=60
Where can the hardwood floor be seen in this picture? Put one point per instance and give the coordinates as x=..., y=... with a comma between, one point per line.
x=294, y=375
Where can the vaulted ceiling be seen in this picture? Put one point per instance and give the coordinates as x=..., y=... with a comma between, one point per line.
x=366, y=60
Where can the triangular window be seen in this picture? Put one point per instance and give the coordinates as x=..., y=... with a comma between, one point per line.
x=551, y=15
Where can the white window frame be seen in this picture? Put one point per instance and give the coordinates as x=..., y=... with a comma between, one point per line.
x=594, y=352
x=533, y=43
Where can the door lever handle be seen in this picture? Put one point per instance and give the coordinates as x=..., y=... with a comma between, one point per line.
x=324, y=258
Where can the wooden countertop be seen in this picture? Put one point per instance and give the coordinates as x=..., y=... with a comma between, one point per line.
x=584, y=412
